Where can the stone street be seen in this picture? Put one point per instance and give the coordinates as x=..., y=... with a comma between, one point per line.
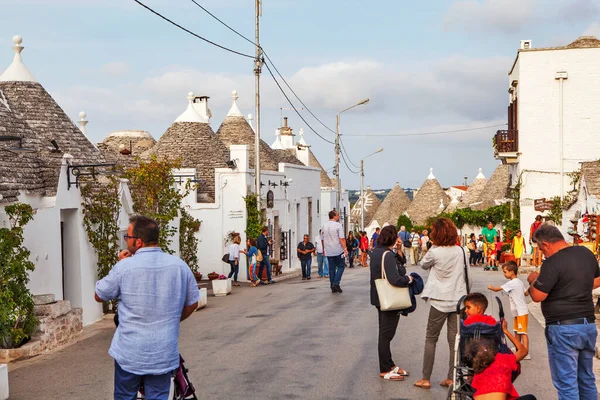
x=291, y=340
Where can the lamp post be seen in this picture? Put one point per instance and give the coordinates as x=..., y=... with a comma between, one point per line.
x=362, y=183
x=338, y=185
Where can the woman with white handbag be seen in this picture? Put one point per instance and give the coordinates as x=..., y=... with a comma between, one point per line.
x=446, y=284
x=389, y=294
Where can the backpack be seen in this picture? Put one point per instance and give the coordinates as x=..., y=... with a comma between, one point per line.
x=259, y=256
x=406, y=242
x=429, y=244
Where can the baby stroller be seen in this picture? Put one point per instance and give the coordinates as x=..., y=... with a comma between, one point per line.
x=181, y=386
x=461, y=388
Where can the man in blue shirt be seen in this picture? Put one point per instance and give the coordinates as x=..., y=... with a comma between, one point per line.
x=156, y=291
x=374, y=238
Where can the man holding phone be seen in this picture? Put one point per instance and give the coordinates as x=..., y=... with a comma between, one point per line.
x=156, y=291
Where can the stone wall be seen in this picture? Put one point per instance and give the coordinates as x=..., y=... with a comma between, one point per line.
x=59, y=325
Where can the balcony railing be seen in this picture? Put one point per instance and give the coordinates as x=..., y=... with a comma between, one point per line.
x=506, y=141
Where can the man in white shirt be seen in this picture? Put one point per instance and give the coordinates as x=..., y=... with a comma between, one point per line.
x=334, y=248
x=321, y=259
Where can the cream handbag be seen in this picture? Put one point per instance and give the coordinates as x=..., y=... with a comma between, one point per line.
x=391, y=298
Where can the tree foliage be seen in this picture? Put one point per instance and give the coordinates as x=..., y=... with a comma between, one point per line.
x=188, y=242
x=155, y=195
x=403, y=220
x=254, y=222
x=17, y=318
x=100, y=208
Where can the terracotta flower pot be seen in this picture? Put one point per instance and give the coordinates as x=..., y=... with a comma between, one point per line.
x=213, y=276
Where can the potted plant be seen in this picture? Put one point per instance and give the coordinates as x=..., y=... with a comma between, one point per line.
x=221, y=286
x=212, y=276
x=198, y=276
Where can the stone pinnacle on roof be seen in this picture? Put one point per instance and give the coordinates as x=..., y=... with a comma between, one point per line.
x=17, y=71
x=190, y=114
x=430, y=174
x=302, y=141
x=234, y=111
x=250, y=119
x=277, y=145
x=480, y=174
x=82, y=126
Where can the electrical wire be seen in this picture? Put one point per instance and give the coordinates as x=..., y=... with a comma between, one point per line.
x=192, y=33
x=270, y=61
x=428, y=133
x=294, y=107
x=345, y=151
x=347, y=166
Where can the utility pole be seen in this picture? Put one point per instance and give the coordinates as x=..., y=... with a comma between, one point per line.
x=362, y=195
x=257, y=71
x=338, y=185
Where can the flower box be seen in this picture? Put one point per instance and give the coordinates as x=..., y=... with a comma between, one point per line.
x=203, y=298
x=221, y=287
x=212, y=276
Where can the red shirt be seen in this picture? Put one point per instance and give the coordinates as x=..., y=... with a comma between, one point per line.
x=364, y=243
x=486, y=319
x=497, y=378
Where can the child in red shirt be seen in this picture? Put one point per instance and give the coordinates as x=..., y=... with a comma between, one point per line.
x=493, y=370
x=475, y=306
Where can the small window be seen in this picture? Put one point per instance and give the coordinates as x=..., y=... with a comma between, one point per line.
x=318, y=207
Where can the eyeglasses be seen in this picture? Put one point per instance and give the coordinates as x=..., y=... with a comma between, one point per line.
x=127, y=237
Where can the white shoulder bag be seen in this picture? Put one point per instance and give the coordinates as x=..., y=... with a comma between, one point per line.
x=391, y=297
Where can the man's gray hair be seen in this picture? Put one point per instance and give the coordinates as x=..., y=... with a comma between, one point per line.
x=548, y=234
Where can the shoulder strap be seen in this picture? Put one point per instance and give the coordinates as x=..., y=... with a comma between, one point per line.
x=383, y=265
x=466, y=270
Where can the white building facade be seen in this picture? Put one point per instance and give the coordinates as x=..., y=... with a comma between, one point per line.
x=553, y=120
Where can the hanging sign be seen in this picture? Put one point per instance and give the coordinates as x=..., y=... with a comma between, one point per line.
x=542, y=204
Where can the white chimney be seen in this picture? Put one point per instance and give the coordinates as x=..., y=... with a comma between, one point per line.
x=525, y=44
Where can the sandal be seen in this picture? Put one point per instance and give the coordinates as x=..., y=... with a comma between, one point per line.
x=392, y=376
x=423, y=384
x=447, y=383
x=400, y=371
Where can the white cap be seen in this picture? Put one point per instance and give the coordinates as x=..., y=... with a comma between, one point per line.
x=17, y=71
x=431, y=174
x=190, y=114
x=234, y=111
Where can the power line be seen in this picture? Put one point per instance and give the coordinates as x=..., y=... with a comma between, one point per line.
x=268, y=58
x=294, y=107
x=347, y=166
x=344, y=149
x=192, y=33
x=428, y=133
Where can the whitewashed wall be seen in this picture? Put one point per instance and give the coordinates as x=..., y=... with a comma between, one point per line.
x=43, y=239
x=538, y=121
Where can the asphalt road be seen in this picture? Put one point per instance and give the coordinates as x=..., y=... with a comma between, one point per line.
x=291, y=340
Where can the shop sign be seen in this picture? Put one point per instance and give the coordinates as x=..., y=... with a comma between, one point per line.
x=542, y=204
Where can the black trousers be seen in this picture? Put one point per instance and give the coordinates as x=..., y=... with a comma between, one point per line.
x=472, y=257
x=388, y=322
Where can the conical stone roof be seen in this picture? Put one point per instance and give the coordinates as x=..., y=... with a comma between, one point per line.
x=496, y=189
x=326, y=181
x=427, y=202
x=235, y=130
x=136, y=141
x=394, y=204
x=371, y=205
x=474, y=191
x=197, y=146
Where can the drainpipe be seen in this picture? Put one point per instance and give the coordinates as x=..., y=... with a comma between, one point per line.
x=561, y=76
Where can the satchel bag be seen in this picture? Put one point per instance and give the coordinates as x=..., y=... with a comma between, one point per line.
x=391, y=297
x=225, y=258
x=259, y=256
x=407, y=242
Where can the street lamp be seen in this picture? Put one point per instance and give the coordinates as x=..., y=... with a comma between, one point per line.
x=338, y=184
x=362, y=182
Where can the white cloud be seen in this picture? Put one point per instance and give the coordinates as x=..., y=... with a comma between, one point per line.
x=116, y=68
x=593, y=30
x=515, y=15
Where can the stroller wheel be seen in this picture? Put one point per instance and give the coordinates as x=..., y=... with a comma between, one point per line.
x=457, y=396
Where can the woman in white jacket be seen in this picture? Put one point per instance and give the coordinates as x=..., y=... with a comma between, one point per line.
x=445, y=286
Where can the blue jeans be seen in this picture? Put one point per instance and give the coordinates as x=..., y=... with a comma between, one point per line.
x=323, y=265
x=156, y=387
x=306, y=267
x=336, y=269
x=235, y=269
x=570, y=354
x=266, y=262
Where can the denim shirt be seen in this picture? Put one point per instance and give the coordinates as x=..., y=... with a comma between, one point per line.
x=152, y=287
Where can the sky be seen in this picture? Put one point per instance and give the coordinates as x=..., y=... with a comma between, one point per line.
x=429, y=66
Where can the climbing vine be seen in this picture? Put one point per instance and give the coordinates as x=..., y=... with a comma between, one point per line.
x=254, y=222
x=17, y=318
x=188, y=242
x=100, y=208
x=155, y=195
